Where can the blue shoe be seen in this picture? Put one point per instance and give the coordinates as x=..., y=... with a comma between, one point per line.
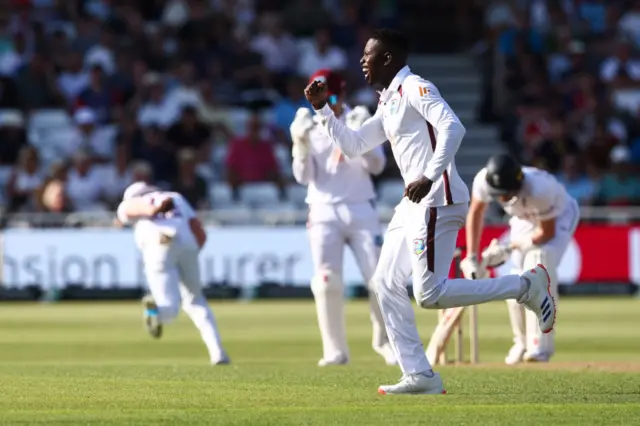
x=151, y=319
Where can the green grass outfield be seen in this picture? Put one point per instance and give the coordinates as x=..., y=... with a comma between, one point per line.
x=92, y=363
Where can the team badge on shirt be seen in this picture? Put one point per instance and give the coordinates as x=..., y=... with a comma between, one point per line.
x=418, y=246
x=394, y=105
x=424, y=91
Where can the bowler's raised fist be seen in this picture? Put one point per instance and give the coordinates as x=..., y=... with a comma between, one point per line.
x=316, y=94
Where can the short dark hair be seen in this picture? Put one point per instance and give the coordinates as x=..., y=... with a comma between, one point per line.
x=393, y=40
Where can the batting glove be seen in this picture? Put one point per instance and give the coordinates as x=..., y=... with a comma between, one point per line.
x=496, y=254
x=472, y=269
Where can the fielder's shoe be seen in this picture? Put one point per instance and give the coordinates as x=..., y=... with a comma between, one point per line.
x=515, y=355
x=224, y=360
x=539, y=299
x=151, y=320
x=416, y=384
x=386, y=352
x=339, y=360
x=537, y=357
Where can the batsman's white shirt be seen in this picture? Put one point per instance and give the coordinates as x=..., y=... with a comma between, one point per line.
x=331, y=177
x=542, y=197
x=423, y=130
x=174, y=224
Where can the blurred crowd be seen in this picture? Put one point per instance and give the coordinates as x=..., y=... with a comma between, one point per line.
x=95, y=94
x=568, y=99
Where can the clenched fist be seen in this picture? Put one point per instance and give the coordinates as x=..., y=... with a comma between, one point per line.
x=316, y=93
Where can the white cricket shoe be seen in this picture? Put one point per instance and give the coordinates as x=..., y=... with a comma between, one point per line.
x=515, y=355
x=151, y=319
x=339, y=360
x=224, y=360
x=537, y=357
x=539, y=299
x=416, y=384
x=386, y=352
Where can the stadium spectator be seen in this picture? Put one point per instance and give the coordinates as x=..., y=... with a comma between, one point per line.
x=85, y=185
x=90, y=137
x=321, y=54
x=251, y=158
x=154, y=110
x=116, y=176
x=285, y=109
x=621, y=186
x=190, y=132
x=99, y=96
x=15, y=57
x=13, y=136
x=621, y=69
x=24, y=181
x=277, y=47
x=159, y=154
x=73, y=79
x=188, y=183
x=629, y=24
x=578, y=184
x=55, y=199
x=304, y=17
x=36, y=84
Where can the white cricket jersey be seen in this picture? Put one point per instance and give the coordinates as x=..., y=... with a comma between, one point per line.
x=542, y=197
x=174, y=223
x=333, y=178
x=423, y=130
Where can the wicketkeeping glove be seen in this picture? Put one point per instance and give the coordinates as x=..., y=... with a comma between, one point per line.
x=299, y=129
x=495, y=254
x=357, y=116
x=472, y=269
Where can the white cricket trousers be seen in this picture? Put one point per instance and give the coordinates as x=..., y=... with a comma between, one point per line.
x=173, y=276
x=420, y=241
x=330, y=228
x=524, y=323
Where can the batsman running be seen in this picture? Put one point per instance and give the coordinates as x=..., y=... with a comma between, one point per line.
x=169, y=237
x=425, y=134
x=340, y=196
x=543, y=220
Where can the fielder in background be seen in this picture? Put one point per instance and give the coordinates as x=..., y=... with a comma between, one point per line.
x=341, y=212
x=169, y=237
x=543, y=220
x=420, y=241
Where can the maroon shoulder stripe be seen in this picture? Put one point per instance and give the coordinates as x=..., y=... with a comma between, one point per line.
x=445, y=175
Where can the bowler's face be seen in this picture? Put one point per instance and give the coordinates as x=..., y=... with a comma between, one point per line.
x=372, y=61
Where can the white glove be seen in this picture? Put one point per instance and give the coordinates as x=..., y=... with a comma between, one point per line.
x=496, y=254
x=472, y=270
x=299, y=129
x=357, y=116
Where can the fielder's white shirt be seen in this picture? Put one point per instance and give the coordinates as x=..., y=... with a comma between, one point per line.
x=174, y=223
x=333, y=178
x=542, y=197
x=423, y=130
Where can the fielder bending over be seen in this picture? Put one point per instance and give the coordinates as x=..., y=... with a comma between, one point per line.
x=425, y=135
x=170, y=236
x=341, y=212
x=543, y=220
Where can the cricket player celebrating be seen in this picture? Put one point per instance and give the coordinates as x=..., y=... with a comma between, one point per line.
x=425, y=135
x=543, y=220
x=170, y=236
x=341, y=212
